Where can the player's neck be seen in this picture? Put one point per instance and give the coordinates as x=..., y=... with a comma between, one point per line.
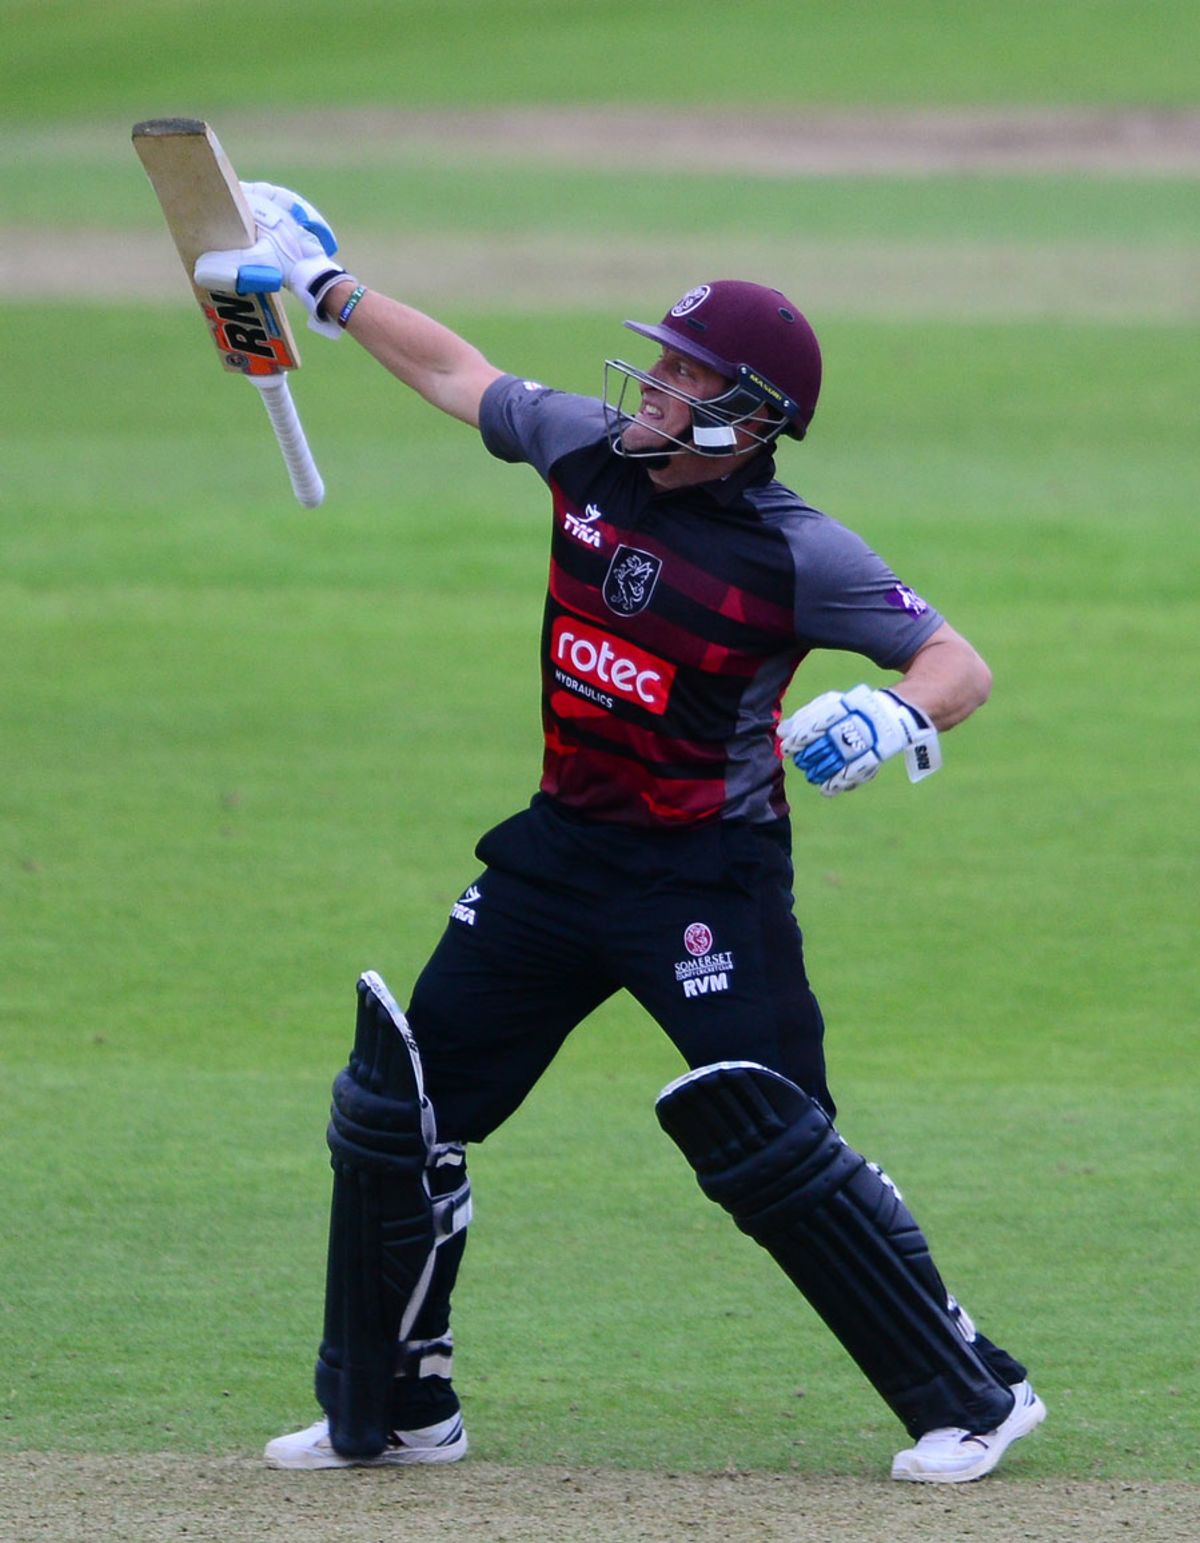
x=689, y=470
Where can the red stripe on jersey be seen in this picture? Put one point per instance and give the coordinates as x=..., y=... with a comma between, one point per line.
x=600, y=785
x=716, y=594
x=685, y=646
x=646, y=745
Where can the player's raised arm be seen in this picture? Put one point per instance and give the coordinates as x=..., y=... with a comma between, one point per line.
x=442, y=367
x=295, y=250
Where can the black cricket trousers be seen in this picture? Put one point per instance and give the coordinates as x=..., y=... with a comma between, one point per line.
x=696, y=924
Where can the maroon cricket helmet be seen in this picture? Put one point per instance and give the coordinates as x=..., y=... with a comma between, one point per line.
x=753, y=336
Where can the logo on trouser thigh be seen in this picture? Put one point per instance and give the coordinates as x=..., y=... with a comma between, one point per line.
x=461, y=910
x=705, y=972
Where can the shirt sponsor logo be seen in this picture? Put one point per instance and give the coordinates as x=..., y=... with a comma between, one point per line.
x=602, y=668
x=461, y=910
x=901, y=598
x=630, y=581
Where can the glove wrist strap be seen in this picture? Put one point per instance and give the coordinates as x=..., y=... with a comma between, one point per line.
x=923, y=753
x=920, y=719
x=319, y=286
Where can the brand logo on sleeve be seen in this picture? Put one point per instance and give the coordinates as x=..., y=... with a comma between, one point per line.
x=630, y=580
x=904, y=599
x=461, y=910
x=585, y=660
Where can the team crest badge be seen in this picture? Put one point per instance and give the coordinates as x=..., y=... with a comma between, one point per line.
x=698, y=939
x=691, y=300
x=630, y=580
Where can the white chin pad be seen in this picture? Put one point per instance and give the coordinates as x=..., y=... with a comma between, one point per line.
x=714, y=436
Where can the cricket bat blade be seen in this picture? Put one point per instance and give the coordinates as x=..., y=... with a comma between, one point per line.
x=206, y=211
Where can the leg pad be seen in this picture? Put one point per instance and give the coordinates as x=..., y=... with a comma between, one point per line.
x=386, y=1221
x=840, y=1231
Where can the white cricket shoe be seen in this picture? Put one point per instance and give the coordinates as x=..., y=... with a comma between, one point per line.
x=953, y=1456
x=444, y=1442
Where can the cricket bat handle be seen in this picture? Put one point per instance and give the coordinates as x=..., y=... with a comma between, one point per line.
x=302, y=469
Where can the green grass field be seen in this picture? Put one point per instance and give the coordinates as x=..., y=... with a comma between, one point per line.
x=245, y=751
x=75, y=57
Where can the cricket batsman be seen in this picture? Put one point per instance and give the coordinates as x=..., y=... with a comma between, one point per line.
x=686, y=586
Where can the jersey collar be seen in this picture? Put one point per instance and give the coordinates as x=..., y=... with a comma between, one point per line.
x=727, y=491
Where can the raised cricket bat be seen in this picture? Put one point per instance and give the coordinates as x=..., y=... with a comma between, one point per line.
x=206, y=211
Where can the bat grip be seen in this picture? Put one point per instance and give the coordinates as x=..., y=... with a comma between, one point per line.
x=302, y=469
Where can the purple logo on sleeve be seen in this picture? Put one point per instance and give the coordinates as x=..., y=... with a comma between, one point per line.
x=905, y=599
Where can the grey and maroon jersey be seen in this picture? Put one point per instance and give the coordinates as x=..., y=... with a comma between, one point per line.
x=675, y=621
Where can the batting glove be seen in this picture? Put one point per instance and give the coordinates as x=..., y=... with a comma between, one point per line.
x=840, y=740
x=294, y=248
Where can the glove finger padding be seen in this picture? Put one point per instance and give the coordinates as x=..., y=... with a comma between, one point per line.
x=851, y=777
x=251, y=270
x=810, y=722
x=272, y=204
x=300, y=244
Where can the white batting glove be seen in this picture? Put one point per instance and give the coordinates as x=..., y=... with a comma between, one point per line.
x=294, y=248
x=841, y=739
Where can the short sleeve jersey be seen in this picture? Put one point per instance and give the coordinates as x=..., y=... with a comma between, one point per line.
x=674, y=621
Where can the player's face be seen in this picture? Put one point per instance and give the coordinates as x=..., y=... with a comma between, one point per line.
x=663, y=420
x=662, y=416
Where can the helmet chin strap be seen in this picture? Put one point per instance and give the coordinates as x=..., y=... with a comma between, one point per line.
x=710, y=438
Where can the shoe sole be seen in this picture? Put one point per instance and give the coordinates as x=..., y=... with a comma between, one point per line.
x=1029, y=1419
x=400, y=1457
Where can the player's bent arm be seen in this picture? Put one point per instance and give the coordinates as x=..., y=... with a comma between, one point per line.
x=435, y=362
x=945, y=678
x=841, y=739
